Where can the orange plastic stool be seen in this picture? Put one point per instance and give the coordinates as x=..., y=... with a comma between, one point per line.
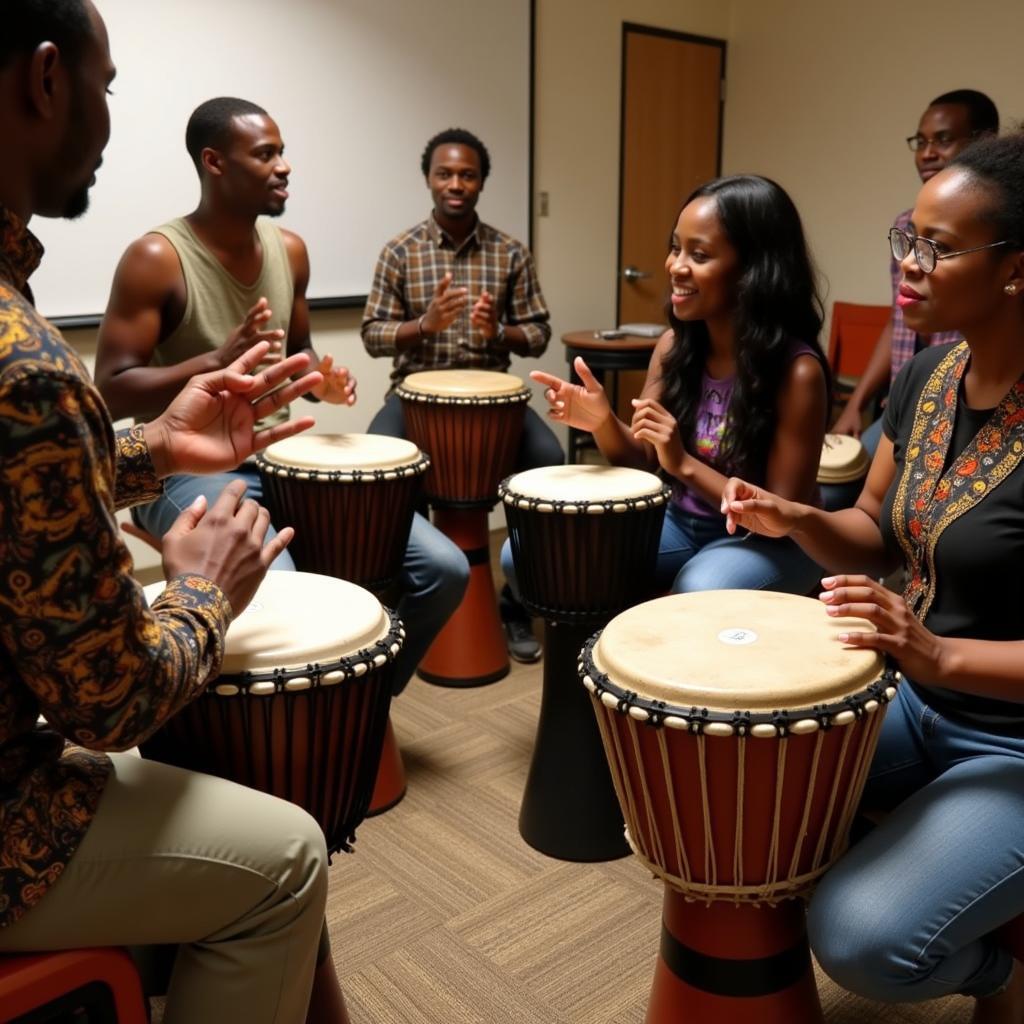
x=103, y=980
x=389, y=788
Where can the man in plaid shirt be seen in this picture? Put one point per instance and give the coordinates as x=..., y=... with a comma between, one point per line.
x=950, y=123
x=455, y=293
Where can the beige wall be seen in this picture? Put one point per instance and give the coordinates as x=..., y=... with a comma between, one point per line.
x=821, y=96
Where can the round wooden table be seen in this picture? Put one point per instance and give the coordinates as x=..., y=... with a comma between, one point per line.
x=611, y=355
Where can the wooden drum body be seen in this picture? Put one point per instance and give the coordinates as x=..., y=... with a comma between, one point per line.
x=584, y=542
x=350, y=498
x=739, y=733
x=470, y=422
x=301, y=705
x=844, y=465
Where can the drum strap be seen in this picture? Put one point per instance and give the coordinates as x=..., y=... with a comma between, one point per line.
x=928, y=499
x=724, y=976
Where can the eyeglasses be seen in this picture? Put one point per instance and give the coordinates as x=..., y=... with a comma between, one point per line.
x=942, y=140
x=926, y=252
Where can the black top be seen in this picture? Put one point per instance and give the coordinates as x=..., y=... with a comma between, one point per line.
x=979, y=558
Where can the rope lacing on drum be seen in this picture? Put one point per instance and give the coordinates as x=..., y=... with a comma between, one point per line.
x=821, y=714
x=531, y=503
x=781, y=721
x=855, y=703
x=626, y=701
x=696, y=720
x=740, y=722
x=656, y=713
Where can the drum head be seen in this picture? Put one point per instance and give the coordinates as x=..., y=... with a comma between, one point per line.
x=462, y=383
x=842, y=459
x=342, y=452
x=582, y=485
x=735, y=650
x=297, y=619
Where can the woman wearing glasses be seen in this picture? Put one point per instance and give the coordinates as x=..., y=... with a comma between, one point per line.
x=909, y=913
x=737, y=381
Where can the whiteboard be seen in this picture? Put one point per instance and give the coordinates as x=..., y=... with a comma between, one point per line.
x=356, y=87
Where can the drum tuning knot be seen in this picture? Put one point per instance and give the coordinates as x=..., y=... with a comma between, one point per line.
x=780, y=719
x=741, y=723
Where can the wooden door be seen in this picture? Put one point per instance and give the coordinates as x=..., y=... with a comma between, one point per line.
x=672, y=96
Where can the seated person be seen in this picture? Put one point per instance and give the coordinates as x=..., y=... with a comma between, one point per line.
x=738, y=380
x=179, y=291
x=453, y=292
x=909, y=912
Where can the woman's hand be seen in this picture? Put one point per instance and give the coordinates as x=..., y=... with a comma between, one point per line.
x=757, y=510
x=210, y=426
x=653, y=423
x=583, y=407
x=920, y=654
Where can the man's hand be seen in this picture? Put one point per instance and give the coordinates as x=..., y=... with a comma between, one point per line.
x=250, y=332
x=210, y=426
x=224, y=544
x=445, y=306
x=484, y=316
x=849, y=421
x=338, y=385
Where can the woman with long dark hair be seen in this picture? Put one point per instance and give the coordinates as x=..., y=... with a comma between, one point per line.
x=736, y=386
x=911, y=912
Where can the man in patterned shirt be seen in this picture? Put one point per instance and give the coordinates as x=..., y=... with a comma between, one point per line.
x=947, y=126
x=452, y=293
x=105, y=848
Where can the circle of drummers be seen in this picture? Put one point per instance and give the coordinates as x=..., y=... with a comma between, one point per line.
x=808, y=759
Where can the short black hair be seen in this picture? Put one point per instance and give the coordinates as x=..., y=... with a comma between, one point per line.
x=997, y=165
x=457, y=137
x=210, y=124
x=981, y=111
x=27, y=23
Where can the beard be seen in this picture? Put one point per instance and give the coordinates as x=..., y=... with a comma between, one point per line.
x=77, y=203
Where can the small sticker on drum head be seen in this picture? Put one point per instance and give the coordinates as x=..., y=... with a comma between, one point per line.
x=737, y=637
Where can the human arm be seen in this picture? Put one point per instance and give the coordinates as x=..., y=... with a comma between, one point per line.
x=792, y=463
x=106, y=669
x=337, y=386
x=846, y=541
x=988, y=668
x=147, y=294
x=523, y=326
x=874, y=378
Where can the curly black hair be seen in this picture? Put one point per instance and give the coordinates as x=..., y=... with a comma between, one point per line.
x=997, y=164
x=457, y=137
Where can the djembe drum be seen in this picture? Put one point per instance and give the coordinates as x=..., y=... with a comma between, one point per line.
x=584, y=542
x=470, y=423
x=739, y=733
x=300, y=707
x=844, y=465
x=350, y=499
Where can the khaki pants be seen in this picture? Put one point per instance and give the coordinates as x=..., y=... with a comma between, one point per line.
x=237, y=879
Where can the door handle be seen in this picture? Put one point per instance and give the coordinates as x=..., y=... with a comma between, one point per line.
x=632, y=273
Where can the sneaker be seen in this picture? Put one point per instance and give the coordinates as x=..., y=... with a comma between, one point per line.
x=522, y=644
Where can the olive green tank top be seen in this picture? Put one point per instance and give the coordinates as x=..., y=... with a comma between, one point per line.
x=216, y=301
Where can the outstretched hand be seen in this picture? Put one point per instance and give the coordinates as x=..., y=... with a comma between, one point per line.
x=757, y=510
x=919, y=653
x=582, y=406
x=210, y=426
x=250, y=332
x=338, y=386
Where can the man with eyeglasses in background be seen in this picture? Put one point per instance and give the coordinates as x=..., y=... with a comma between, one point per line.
x=950, y=123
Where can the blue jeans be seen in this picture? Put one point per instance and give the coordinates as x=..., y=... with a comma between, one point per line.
x=907, y=914
x=837, y=496
x=434, y=574
x=695, y=553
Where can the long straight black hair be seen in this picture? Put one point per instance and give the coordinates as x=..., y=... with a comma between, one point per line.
x=776, y=305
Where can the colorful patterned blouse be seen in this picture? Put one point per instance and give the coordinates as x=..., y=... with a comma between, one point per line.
x=79, y=645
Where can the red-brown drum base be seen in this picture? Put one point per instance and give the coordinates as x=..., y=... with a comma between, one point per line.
x=733, y=964
x=470, y=650
x=390, y=786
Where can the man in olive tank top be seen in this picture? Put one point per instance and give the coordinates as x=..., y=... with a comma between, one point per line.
x=194, y=293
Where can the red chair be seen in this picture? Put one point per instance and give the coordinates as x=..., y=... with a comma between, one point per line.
x=38, y=986
x=855, y=329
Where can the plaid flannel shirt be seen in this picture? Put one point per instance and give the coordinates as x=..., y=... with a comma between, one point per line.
x=407, y=274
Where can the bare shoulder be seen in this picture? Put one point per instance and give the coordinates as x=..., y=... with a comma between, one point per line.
x=150, y=266
x=294, y=245
x=804, y=371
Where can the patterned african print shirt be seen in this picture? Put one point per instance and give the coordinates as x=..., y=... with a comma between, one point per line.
x=905, y=342
x=408, y=272
x=78, y=645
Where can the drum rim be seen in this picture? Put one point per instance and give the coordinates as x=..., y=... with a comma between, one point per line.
x=638, y=503
x=416, y=467
x=694, y=719
x=506, y=398
x=314, y=675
